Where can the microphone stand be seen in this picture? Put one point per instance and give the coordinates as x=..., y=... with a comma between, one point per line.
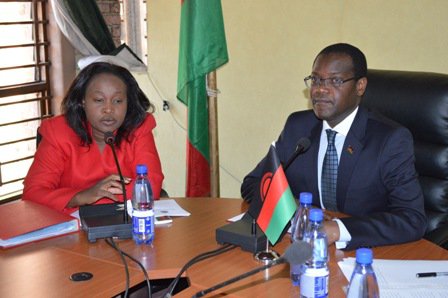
x=297, y=253
x=107, y=220
x=110, y=140
x=239, y=277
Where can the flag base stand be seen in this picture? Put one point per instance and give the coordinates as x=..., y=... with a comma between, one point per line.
x=266, y=256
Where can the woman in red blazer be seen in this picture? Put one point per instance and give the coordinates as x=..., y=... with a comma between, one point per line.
x=73, y=165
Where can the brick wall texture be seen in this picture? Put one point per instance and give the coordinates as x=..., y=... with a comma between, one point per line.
x=111, y=13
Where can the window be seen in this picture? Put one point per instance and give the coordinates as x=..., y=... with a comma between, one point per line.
x=133, y=28
x=24, y=88
x=126, y=20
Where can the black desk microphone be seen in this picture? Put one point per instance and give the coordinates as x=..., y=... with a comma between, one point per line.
x=302, y=146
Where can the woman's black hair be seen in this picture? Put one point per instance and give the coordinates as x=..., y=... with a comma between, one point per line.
x=72, y=104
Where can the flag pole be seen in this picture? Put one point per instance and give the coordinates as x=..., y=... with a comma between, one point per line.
x=212, y=92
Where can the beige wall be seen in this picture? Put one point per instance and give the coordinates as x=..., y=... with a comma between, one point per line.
x=272, y=44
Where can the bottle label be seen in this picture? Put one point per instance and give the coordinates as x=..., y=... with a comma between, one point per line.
x=314, y=283
x=143, y=222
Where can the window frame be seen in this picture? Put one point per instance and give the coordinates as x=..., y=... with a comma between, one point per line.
x=40, y=86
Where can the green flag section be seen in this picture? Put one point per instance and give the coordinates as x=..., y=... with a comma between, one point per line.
x=202, y=49
x=278, y=203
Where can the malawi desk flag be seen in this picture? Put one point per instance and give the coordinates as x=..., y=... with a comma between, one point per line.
x=202, y=49
x=278, y=203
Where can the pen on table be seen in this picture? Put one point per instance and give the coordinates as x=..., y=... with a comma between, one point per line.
x=431, y=274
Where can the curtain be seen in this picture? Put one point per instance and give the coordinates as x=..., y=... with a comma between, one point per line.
x=69, y=28
x=89, y=20
x=84, y=26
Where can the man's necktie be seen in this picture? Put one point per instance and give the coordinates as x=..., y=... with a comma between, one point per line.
x=330, y=173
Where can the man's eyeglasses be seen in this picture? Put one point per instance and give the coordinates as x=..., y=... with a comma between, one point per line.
x=312, y=81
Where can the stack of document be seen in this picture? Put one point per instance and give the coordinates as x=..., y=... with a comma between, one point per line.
x=398, y=278
x=25, y=221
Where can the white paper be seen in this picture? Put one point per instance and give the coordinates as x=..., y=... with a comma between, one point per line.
x=397, y=278
x=236, y=217
x=75, y=214
x=164, y=208
x=414, y=293
x=169, y=208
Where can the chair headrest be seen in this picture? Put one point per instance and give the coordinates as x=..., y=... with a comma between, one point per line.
x=417, y=100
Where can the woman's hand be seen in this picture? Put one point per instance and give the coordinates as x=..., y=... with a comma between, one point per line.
x=106, y=188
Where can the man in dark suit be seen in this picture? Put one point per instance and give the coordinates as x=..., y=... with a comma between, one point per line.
x=371, y=178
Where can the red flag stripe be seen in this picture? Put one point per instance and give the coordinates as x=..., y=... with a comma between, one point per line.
x=198, y=181
x=276, y=189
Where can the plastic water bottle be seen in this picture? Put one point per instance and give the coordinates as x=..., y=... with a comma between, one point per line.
x=315, y=273
x=363, y=283
x=298, y=228
x=142, y=208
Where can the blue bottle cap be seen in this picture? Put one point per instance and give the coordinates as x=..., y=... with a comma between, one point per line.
x=142, y=169
x=364, y=256
x=316, y=215
x=306, y=198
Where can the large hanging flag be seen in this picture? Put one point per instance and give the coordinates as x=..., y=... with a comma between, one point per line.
x=278, y=203
x=202, y=49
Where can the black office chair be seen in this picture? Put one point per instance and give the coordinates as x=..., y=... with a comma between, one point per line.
x=419, y=101
x=164, y=193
